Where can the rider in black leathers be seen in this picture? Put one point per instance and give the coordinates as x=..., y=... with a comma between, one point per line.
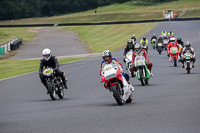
x=49, y=60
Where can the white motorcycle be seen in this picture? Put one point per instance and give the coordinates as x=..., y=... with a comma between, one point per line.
x=129, y=63
x=188, y=61
x=116, y=84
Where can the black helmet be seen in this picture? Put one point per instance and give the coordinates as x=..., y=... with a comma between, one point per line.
x=144, y=38
x=178, y=39
x=129, y=41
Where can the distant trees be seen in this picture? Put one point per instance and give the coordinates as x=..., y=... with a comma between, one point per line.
x=16, y=9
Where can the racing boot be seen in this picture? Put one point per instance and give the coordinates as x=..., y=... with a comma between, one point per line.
x=183, y=66
x=132, y=88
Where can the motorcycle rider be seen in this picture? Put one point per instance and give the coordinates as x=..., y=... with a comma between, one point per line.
x=172, y=43
x=153, y=37
x=160, y=40
x=133, y=37
x=49, y=60
x=179, y=41
x=144, y=40
x=138, y=52
x=188, y=49
x=170, y=33
x=128, y=47
x=164, y=32
x=108, y=59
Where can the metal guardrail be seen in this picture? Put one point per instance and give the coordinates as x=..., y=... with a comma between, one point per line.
x=101, y=23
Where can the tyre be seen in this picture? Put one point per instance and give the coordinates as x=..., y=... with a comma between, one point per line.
x=61, y=93
x=129, y=99
x=188, y=67
x=141, y=76
x=51, y=90
x=159, y=50
x=175, y=62
x=117, y=94
x=132, y=74
x=146, y=82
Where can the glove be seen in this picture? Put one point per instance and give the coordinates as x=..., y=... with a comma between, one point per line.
x=147, y=62
x=55, y=69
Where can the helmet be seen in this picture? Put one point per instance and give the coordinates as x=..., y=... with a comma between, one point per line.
x=106, y=53
x=137, y=47
x=46, y=54
x=129, y=41
x=173, y=39
x=170, y=32
x=144, y=38
x=160, y=36
x=178, y=39
x=188, y=44
x=133, y=35
x=154, y=34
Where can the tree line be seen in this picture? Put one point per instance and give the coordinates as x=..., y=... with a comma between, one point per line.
x=17, y=9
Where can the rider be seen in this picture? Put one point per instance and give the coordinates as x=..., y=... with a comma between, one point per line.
x=164, y=32
x=170, y=33
x=172, y=43
x=133, y=37
x=160, y=40
x=128, y=47
x=138, y=52
x=153, y=37
x=49, y=60
x=144, y=40
x=179, y=41
x=107, y=59
x=187, y=49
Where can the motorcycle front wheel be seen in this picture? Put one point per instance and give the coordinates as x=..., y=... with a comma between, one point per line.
x=175, y=62
x=61, y=93
x=141, y=76
x=51, y=90
x=117, y=94
x=188, y=67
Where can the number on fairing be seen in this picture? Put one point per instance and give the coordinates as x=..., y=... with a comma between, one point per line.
x=108, y=68
x=47, y=71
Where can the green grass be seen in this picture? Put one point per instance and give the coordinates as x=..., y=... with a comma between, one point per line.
x=7, y=34
x=110, y=37
x=10, y=68
x=118, y=12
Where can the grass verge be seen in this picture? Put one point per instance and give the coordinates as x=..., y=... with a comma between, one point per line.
x=7, y=34
x=10, y=68
x=110, y=37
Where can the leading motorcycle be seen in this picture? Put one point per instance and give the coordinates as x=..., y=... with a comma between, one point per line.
x=54, y=83
x=174, y=55
x=116, y=84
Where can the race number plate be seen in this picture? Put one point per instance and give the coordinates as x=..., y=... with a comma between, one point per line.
x=108, y=68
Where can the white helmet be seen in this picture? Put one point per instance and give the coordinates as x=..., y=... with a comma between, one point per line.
x=133, y=35
x=173, y=39
x=46, y=54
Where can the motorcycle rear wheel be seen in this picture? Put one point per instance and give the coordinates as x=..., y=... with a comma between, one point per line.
x=116, y=94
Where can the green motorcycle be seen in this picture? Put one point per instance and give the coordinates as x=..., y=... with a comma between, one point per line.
x=143, y=73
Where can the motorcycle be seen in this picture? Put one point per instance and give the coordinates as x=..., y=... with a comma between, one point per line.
x=153, y=43
x=188, y=61
x=128, y=61
x=54, y=83
x=165, y=42
x=116, y=84
x=174, y=55
x=142, y=74
x=159, y=47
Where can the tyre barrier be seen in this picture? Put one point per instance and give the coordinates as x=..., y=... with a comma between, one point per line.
x=13, y=45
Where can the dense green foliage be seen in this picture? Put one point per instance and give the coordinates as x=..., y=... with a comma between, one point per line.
x=16, y=9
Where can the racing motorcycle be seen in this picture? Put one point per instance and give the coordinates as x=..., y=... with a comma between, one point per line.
x=165, y=42
x=174, y=55
x=153, y=43
x=188, y=61
x=142, y=74
x=116, y=84
x=128, y=61
x=159, y=47
x=54, y=83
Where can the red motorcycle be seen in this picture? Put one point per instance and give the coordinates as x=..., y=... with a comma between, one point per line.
x=174, y=55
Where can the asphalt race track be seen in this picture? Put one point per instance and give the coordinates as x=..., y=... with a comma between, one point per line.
x=169, y=104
